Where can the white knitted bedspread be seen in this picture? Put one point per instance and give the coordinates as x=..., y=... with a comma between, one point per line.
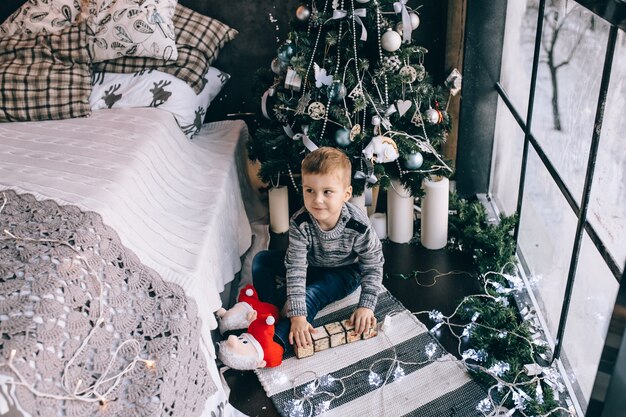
x=175, y=203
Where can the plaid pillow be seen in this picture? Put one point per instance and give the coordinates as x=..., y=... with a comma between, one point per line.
x=198, y=39
x=45, y=76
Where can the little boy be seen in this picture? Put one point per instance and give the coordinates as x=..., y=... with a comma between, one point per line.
x=332, y=250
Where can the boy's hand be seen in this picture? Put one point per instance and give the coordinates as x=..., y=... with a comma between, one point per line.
x=300, y=332
x=363, y=319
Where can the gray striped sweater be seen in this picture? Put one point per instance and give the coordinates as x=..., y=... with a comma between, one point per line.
x=352, y=240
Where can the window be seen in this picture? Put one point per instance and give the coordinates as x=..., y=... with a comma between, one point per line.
x=572, y=172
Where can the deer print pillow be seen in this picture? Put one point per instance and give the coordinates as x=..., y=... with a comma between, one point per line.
x=152, y=88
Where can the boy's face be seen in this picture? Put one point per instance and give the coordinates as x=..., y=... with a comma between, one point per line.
x=324, y=195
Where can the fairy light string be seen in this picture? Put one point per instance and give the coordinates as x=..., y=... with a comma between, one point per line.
x=507, y=387
x=91, y=393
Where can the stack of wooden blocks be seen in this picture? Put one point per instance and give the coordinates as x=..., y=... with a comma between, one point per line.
x=331, y=335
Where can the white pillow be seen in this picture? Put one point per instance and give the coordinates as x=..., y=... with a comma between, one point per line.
x=116, y=28
x=158, y=89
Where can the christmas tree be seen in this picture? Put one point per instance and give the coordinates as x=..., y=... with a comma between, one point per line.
x=349, y=76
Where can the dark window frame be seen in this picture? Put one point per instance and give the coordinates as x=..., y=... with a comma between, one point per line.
x=484, y=40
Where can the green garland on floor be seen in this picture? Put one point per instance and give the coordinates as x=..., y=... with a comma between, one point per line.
x=492, y=323
x=491, y=245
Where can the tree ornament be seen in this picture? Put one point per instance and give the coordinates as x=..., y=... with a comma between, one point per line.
x=391, y=41
x=342, y=137
x=356, y=129
x=317, y=110
x=432, y=116
x=303, y=103
x=293, y=81
x=303, y=12
x=414, y=160
x=286, y=51
x=391, y=63
x=376, y=120
x=362, y=1
x=381, y=150
x=278, y=67
x=415, y=20
x=403, y=106
x=408, y=74
x=336, y=91
x=417, y=119
x=421, y=72
x=320, y=76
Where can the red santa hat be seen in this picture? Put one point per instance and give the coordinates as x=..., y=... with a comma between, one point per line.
x=249, y=295
x=263, y=331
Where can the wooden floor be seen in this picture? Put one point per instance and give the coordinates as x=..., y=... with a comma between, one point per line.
x=424, y=292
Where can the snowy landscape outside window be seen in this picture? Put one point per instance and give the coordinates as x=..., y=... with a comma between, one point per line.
x=571, y=63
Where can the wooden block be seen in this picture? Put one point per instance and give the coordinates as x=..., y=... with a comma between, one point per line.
x=337, y=335
x=351, y=335
x=321, y=339
x=372, y=332
x=303, y=352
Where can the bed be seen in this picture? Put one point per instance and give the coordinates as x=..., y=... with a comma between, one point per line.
x=120, y=223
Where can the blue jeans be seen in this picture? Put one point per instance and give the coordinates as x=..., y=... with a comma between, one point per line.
x=323, y=286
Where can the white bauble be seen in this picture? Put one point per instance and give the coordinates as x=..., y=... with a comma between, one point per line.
x=391, y=41
x=415, y=20
x=362, y=1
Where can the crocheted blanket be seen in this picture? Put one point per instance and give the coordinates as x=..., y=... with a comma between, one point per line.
x=86, y=329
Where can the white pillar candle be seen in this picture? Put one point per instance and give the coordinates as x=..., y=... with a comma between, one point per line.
x=434, y=233
x=279, y=209
x=379, y=223
x=359, y=201
x=399, y=213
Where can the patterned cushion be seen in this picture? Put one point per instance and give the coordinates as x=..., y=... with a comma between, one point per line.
x=45, y=76
x=158, y=89
x=116, y=27
x=198, y=39
x=36, y=16
x=122, y=27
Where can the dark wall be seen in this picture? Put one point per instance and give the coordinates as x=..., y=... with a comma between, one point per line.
x=256, y=44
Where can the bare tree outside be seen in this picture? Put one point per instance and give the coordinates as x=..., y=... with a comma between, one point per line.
x=561, y=26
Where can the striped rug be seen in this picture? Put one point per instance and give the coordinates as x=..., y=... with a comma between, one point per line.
x=420, y=387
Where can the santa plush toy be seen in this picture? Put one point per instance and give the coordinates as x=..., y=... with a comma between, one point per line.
x=247, y=309
x=254, y=349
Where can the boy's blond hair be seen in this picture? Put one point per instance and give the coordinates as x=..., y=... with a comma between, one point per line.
x=328, y=160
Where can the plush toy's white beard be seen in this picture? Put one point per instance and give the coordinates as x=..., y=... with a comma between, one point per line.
x=234, y=322
x=241, y=363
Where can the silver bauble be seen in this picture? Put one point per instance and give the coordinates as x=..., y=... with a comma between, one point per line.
x=303, y=12
x=375, y=120
x=413, y=160
x=432, y=116
x=336, y=91
x=342, y=137
x=278, y=66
